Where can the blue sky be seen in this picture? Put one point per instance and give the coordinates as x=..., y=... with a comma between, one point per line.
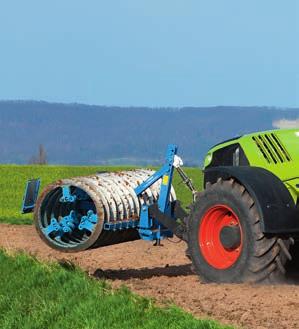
x=151, y=53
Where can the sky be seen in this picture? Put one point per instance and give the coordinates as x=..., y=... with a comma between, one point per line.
x=151, y=53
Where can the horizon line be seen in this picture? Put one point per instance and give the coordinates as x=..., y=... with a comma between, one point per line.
x=272, y=107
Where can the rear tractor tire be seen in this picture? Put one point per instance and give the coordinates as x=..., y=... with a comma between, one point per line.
x=225, y=240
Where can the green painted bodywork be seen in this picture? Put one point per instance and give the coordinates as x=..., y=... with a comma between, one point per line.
x=282, y=160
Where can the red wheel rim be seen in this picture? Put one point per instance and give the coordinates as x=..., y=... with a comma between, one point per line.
x=210, y=244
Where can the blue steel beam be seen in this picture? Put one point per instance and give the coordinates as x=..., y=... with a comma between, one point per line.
x=147, y=224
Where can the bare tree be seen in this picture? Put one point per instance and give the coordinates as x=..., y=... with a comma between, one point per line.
x=41, y=157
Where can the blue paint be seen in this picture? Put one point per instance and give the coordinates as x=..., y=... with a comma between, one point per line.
x=66, y=195
x=69, y=223
x=30, y=195
x=53, y=227
x=150, y=228
x=121, y=225
x=88, y=222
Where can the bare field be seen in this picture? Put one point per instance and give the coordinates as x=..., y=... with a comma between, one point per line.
x=165, y=274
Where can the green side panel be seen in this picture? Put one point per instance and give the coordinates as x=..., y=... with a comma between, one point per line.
x=274, y=150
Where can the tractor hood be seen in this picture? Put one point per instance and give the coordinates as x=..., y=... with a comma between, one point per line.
x=274, y=150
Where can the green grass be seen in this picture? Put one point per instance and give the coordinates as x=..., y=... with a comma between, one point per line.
x=13, y=179
x=41, y=295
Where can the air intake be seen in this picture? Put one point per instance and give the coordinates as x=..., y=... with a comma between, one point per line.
x=271, y=148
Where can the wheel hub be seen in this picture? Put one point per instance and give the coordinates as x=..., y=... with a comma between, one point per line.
x=220, y=237
x=230, y=237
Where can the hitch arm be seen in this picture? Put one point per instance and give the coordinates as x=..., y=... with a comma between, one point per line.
x=164, y=213
x=178, y=228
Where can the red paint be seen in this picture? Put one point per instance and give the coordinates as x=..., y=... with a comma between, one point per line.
x=210, y=245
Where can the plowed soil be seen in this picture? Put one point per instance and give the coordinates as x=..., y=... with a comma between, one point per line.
x=163, y=272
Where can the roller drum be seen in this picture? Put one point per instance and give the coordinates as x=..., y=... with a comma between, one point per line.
x=70, y=214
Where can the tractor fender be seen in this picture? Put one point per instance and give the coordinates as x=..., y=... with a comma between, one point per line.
x=279, y=214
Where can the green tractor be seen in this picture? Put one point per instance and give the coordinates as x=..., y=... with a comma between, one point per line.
x=240, y=228
x=243, y=223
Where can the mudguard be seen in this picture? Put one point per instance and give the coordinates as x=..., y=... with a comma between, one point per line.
x=279, y=214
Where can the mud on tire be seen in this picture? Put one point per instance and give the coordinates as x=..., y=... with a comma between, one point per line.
x=260, y=258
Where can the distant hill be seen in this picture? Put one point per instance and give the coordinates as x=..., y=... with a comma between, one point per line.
x=88, y=134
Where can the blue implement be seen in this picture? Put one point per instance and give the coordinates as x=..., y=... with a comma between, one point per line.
x=73, y=213
x=150, y=228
